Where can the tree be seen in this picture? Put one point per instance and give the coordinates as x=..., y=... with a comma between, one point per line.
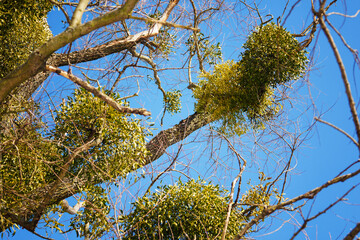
x=65, y=143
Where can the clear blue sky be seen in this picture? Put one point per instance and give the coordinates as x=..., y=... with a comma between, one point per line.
x=326, y=153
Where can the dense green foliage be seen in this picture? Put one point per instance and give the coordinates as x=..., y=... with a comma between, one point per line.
x=239, y=91
x=172, y=101
x=193, y=210
x=112, y=144
x=84, y=118
x=182, y=211
x=23, y=28
x=24, y=159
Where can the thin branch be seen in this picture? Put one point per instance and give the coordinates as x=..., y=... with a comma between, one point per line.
x=344, y=15
x=152, y=20
x=97, y=93
x=353, y=51
x=342, y=70
x=167, y=169
x=303, y=226
x=308, y=195
x=154, y=68
x=348, y=167
x=195, y=36
x=59, y=5
x=338, y=129
x=233, y=184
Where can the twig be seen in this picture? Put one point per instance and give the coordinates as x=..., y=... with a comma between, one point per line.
x=303, y=226
x=59, y=5
x=167, y=169
x=353, y=51
x=238, y=177
x=344, y=15
x=339, y=129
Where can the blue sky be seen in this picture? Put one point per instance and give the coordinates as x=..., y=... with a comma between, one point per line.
x=323, y=156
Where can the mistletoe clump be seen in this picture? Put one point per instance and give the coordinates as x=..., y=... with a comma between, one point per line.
x=90, y=141
x=238, y=91
x=192, y=210
x=117, y=141
x=23, y=28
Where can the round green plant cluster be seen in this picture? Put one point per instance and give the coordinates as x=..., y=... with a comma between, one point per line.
x=172, y=101
x=23, y=28
x=236, y=92
x=117, y=140
x=192, y=210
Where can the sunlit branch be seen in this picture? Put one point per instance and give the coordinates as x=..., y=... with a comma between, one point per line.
x=71, y=210
x=166, y=170
x=344, y=15
x=152, y=20
x=78, y=13
x=98, y=93
x=59, y=5
x=233, y=184
x=353, y=51
x=196, y=41
x=154, y=68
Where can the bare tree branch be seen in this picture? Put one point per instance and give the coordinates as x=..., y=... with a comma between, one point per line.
x=233, y=184
x=71, y=210
x=303, y=226
x=79, y=11
x=339, y=129
x=152, y=20
x=98, y=93
x=352, y=234
x=308, y=195
x=340, y=63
